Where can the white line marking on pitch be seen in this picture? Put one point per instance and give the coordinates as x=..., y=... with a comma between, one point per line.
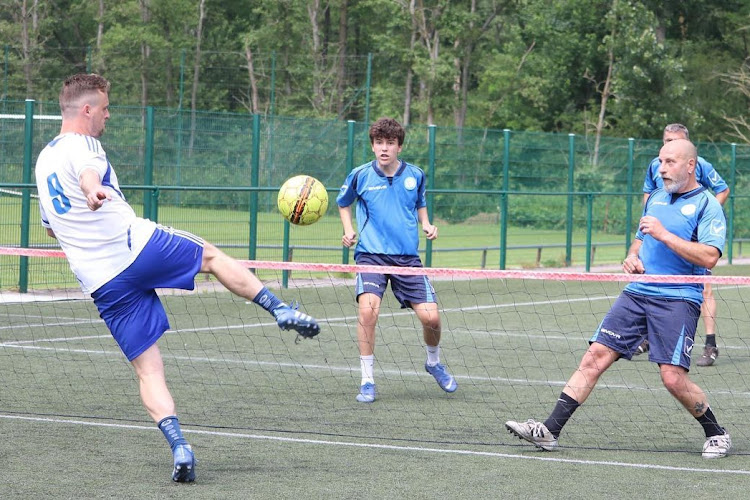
x=421, y=449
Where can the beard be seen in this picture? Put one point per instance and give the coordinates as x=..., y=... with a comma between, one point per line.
x=675, y=185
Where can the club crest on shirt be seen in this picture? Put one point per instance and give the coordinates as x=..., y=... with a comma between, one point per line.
x=410, y=183
x=688, y=210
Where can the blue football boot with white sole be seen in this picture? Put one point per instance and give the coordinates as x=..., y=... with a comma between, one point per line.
x=184, y=464
x=444, y=379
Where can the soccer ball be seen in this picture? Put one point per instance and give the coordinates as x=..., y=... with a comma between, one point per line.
x=302, y=200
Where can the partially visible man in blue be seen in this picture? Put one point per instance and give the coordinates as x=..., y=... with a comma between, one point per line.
x=120, y=259
x=682, y=232
x=709, y=178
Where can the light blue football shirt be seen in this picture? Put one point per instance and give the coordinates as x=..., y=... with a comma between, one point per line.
x=387, y=221
x=693, y=216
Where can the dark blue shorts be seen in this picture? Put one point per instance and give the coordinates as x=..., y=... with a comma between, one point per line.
x=128, y=303
x=409, y=290
x=668, y=324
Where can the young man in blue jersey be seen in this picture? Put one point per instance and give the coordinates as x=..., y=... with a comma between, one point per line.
x=682, y=232
x=709, y=178
x=391, y=205
x=120, y=259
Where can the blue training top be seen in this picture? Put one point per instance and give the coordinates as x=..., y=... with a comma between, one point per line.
x=387, y=221
x=693, y=216
x=705, y=174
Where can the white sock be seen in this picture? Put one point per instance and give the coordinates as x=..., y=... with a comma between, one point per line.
x=366, y=364
x=433, y=355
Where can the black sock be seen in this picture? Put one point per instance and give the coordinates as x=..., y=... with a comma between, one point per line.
x=710, y=340
x=710, y=426
x=563, y=411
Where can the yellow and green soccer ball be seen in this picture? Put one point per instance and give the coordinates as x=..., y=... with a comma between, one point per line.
x=302, y=200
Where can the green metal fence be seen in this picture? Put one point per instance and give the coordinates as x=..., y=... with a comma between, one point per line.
x=500, y=197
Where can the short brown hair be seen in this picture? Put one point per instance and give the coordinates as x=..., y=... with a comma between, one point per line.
x=80, y=85
x=387, y=128
x=677, y=127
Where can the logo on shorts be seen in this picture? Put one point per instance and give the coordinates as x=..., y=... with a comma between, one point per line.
x=410, y=183
x=610, y=333
x=688, y=210
x=688, y=346
x=370, y=283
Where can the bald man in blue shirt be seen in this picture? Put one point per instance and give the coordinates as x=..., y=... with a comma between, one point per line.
x=682, y=231
x=708, y=177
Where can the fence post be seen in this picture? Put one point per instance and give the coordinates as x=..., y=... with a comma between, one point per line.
x=5, y=75
x=254, y=176
x=349, y=168
x=730, y=222
x=28, y=136
x=504, y=198
x=569, y=218
x=430, y=186
x=629, y=207
x=179, y=124
x=589, y=225
x=286, y=255
x=148, y=163
x=368, y=82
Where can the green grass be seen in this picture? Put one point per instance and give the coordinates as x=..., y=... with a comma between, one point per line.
x=271, y=418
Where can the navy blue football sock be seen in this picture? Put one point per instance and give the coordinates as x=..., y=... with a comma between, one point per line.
x=267, y=300
x=171, y=429
x=710, y=425
x=563, y=411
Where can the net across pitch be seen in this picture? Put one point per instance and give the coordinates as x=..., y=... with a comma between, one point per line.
x=511, y=339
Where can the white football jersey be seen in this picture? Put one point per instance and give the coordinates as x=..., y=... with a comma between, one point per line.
x=98, y=244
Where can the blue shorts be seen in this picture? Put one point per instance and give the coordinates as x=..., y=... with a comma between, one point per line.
x=409, y=290
x=668, y=324
x=128, y=303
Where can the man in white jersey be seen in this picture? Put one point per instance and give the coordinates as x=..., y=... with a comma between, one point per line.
x=120, y=259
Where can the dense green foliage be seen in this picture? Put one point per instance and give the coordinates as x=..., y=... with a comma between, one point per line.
x=600, y=70
x=616, y=68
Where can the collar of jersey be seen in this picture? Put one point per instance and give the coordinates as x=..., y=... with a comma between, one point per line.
x=688, y=194
x=401, y=167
